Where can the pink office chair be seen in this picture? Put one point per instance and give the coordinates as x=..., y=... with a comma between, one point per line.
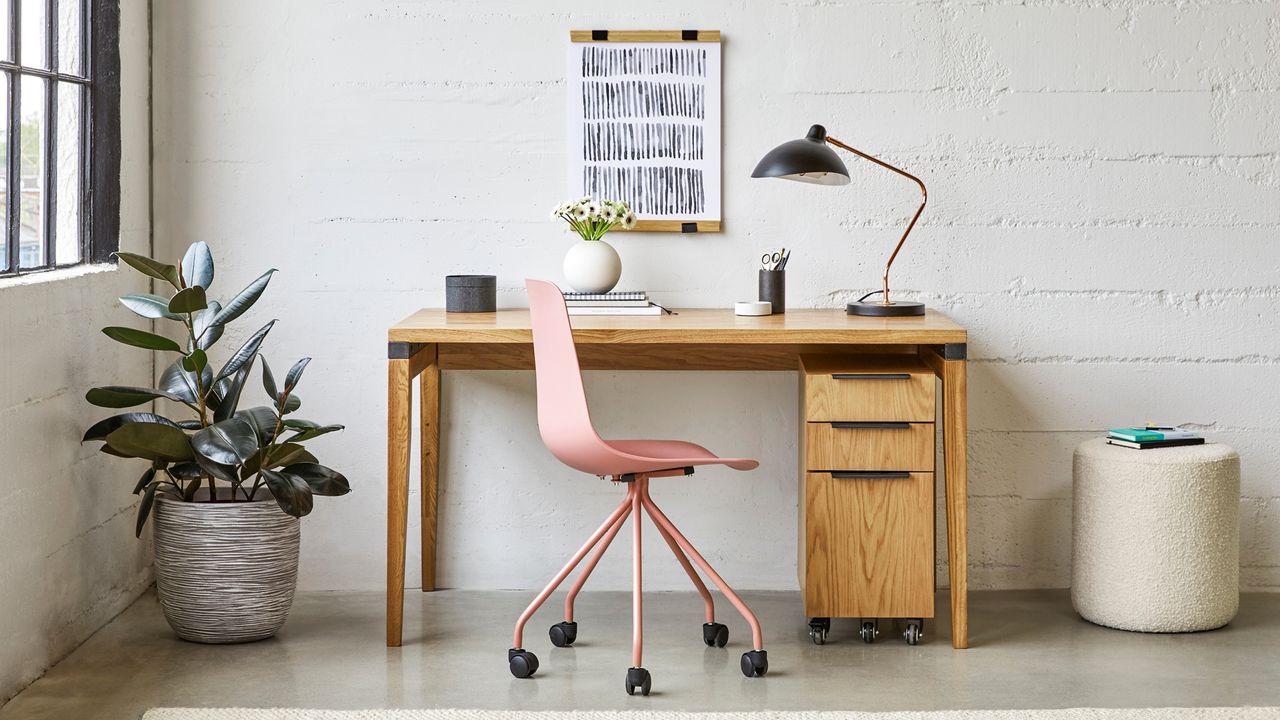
x=566, y=429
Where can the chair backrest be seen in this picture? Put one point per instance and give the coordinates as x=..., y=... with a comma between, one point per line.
x=563, y=419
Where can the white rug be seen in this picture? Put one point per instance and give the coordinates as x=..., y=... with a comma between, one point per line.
x=1257, y=713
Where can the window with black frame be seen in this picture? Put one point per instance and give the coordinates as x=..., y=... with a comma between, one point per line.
x=59, y=76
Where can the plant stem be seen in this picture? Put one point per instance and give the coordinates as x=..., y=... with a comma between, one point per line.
x=200, y=391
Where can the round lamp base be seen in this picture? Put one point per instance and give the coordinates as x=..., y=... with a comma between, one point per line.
x=892, y=309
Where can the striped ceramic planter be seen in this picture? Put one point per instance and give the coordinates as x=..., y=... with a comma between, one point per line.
x=225, y=572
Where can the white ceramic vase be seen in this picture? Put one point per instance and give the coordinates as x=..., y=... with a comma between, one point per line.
x=592, y=266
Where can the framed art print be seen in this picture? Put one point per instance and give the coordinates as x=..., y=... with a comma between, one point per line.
x=644, y=124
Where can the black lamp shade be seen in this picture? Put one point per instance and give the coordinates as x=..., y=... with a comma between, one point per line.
x=809, y=159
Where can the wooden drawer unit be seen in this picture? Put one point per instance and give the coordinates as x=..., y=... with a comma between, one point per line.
x=869, y=545
x=869, y=446
x=878, y=389
x=867, y=461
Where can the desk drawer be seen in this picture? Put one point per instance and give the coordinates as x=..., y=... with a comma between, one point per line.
x=869, y=545
x=869, y=446
x=901, y=391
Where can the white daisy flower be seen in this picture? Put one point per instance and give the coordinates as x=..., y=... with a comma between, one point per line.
x=610, y=214
x=585, y=199
x=628, y=220
x=579, y=212
x=593, y=209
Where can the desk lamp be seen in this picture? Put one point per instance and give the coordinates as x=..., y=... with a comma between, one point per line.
x=809, y=160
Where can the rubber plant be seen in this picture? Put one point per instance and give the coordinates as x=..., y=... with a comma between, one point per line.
x=218, y=443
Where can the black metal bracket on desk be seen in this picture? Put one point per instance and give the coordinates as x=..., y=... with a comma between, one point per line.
x=955, y=351
x=403, y=350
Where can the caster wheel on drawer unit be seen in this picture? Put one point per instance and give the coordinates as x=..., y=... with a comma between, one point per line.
x=522, y=662
x=563, y=633
x=755, y=663
x=869, y=630
x=818, y=629
x=715, y=635
x=638, y=681
x=914, y=631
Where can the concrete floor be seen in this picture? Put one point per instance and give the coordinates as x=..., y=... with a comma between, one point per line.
x=1029, y=651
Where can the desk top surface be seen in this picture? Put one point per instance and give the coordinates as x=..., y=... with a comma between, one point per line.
x=699, y=326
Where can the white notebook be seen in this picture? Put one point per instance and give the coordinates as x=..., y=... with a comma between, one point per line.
x=650, y=310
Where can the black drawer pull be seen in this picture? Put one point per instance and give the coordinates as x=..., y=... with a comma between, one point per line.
x=871, y=425
x=870, y=376
x=869, y=474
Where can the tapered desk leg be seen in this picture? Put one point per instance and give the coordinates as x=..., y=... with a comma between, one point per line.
x=955, y=424
x=399, y=421
x=429, y=427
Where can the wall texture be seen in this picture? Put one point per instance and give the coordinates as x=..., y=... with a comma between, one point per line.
x=1104, y=220
x=66, y=516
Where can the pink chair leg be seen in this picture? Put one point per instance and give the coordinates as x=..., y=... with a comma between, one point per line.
x=591, y=564
x=693, y=574
x=637, y=594
x=628, y=504
x=757, y=637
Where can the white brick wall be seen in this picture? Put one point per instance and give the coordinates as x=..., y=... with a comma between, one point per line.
x=1104, y=219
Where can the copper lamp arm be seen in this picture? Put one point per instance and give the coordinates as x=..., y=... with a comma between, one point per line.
x=924, y=198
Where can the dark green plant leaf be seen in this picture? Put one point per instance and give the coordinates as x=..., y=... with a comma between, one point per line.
x=295, y=374
x=102, y=428
x=153, y=441
x=314, y=432
x=189, y=492
x=291, y=404
x=119, y=396
x=245, y=354
x=145, y=480
x=190, y=424
x=269, y=380
x=263, y=420
x=186, y=471
x=229, y=397
x=153, y=268
x=188, y=301
x=196, y=362
x=226, y=473
x=323, y=480
x=197, y=265
x=144, y=509
x=149, y=306
x=181, y=384
x=291, y=492
x=247, y=297
x=229, y=442
x=140, y=338
x=205, y=331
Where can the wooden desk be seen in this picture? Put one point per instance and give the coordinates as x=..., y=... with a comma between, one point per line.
x=432, y=340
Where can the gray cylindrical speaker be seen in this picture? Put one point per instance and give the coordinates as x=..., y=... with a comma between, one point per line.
x=470, y=293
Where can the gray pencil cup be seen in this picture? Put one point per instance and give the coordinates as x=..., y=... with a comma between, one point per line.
x=773, y=289
x=470, y=293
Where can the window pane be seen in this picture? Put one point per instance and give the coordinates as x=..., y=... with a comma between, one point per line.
x=4, y=175
x=31, y=246
x=67, y=231
x=35, y=53
x=5, y=51
x=69, y=37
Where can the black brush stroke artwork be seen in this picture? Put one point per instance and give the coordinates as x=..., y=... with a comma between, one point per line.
x=650, y=190
x=604, y=100
x=611, y=62
x=641, y=141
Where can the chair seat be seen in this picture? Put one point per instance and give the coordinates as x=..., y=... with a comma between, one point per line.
x=664, y=454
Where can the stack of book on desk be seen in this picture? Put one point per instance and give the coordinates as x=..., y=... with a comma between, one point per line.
x=1153, y=436
x=612, y=303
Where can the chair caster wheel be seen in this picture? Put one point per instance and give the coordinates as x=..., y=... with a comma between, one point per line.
x=638, y=679
x=869, y=630
x=755, y=663
x=715, y=635
x=563, y=633
x=818, y=629
x=522, y=662
x=914, y=632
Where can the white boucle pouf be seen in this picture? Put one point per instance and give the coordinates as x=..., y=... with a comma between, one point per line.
x=1156, y=536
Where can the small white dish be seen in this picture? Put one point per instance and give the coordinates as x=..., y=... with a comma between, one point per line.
x=753, y=308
